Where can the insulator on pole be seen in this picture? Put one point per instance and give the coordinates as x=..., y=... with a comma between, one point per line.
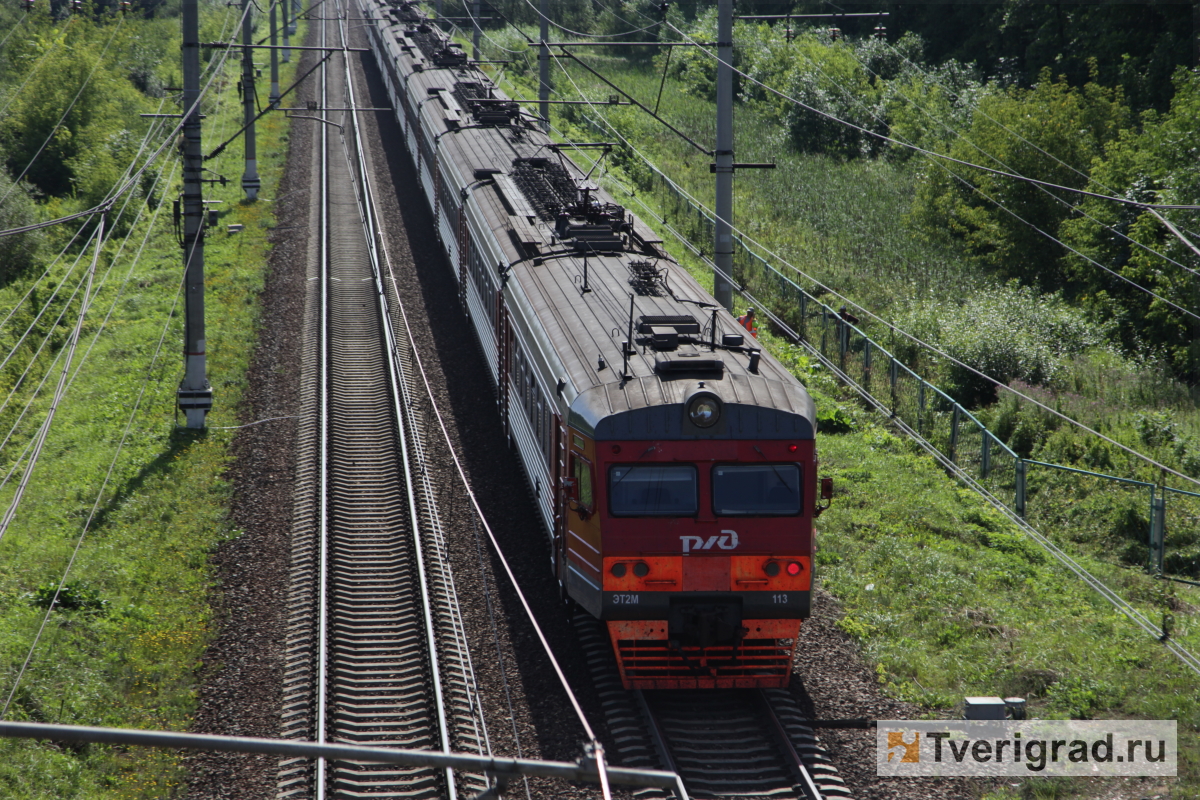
x=27, y=5
x=835, y=34
x=125, y=6
x=880, y=32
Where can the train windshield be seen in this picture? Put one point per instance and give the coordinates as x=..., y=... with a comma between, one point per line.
x=643, y=491
x=756, y=490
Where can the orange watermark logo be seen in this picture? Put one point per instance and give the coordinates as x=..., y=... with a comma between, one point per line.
x=912, y=750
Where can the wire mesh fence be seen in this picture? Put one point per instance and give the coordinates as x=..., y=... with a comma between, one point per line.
x=1162, y=523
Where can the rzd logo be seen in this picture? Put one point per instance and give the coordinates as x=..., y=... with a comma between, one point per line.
x=912, y=750
x=727, y=540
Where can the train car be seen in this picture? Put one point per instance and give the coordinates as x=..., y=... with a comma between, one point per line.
x=673, y=461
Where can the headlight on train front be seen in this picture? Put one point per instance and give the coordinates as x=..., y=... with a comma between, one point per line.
x=704, y=412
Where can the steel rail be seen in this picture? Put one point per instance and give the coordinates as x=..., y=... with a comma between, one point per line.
x=806, y=782
x=402, y=352
x=323, y=524
x=366, y=207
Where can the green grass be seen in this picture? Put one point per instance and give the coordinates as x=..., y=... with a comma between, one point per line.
x=132, y=660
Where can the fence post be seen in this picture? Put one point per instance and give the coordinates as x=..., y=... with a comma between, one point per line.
x=985, y=457
x=954, y=433
x=1158, y=531
x=866, y=376
x=892, y=375
x=843, y=342
x=824, y=330
x=1019, y=468
x=803, y=315
x=920, y=406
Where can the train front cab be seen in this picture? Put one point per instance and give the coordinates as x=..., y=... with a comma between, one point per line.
x=696, y=554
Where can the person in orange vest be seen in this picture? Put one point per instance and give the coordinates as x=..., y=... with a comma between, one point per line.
x=749, y=322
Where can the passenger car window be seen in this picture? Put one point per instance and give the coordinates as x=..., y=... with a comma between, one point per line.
x=756, y=490
x=652, y=490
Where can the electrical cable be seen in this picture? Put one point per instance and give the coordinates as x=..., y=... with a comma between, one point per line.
x=867, y=312
x=1073, y=208
x=977, y=109
x=537, y=11
x=95, y=337
x=474, y=501
x=37, y=283
x=92, y=515
x=59, y=391
x=108, y=203
x=70, y=106
x=36, y=66
x=850, y=95
x=922, y=150
x=11, y=31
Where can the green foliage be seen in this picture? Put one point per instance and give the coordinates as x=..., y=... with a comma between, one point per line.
x=98, y=136
x=835, y=419
x=1052, y=131
x=1009, y=332
x=124, y=645
x=17, y=253
x=1156, y=164
x=73, y=596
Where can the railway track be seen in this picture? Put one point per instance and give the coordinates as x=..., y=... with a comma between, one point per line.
x=733, y=743
x=377, y=653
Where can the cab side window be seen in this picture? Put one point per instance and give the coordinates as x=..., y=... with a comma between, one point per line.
x=581, y=471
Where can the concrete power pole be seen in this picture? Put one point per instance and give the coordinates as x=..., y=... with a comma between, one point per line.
x=475, y=32
x=295, y=16
x=250, y=182
x=723, y=238
x=288, y=30
x=194, y=396
x=274, y=96
x=544, y=65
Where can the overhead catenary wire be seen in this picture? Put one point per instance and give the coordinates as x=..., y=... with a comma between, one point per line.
x=537, y=11
x=70, y=106
x=36, y=66
x=38, y=282
x=15, y=501
x=976, y=108
x=92, y=514
x=121, y=188
x=747, y=237
x=474, y=502
x=117, y=453
x=850, y=95
x=922, y=150
x=1112, y=597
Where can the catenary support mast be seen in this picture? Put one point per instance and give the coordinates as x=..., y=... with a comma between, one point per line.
x=544, y=65
x=194, y=396
x=250, y=182
x=274, y=96
x=722, y=234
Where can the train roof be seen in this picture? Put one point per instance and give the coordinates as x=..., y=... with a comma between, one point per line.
x=592, y=277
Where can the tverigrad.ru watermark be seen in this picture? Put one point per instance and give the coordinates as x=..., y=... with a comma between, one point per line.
x=1032, y=747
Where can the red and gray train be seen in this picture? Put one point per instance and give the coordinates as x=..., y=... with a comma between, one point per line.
x=673, y=461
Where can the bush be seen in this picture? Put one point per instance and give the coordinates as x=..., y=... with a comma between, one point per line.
x=1008, y=333
x=73, y=596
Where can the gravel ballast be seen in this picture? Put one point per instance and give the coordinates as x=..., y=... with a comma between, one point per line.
x=527, y=710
